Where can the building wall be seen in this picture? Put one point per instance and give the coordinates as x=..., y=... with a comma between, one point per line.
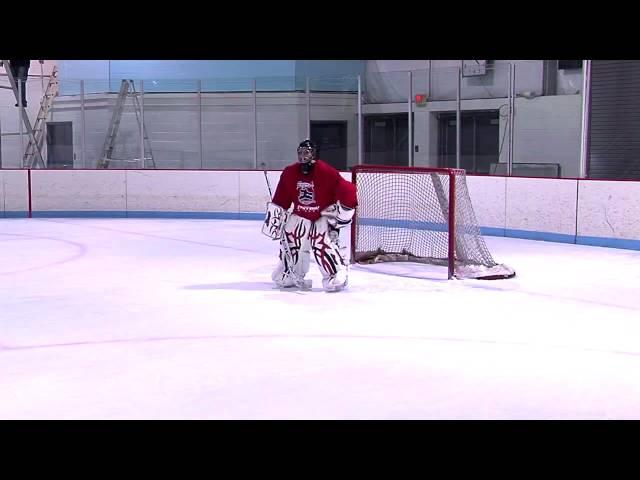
x=388, y=82
x=226, y=137
x=547, y=129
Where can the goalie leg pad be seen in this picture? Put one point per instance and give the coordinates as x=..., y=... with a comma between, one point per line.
x=328, y=255
x=293, y=266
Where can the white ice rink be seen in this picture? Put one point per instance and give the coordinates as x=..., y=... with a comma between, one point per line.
x=177, y=319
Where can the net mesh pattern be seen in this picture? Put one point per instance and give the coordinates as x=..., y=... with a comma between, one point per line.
x=403, y=214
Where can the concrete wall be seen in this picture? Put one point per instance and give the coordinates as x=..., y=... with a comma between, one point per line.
x=489, y=199
x=75, y=193
x=14, y=193
x=173, y=126
x=547, y=129
x=438, y=79
x=541, y=210
x=608, y=213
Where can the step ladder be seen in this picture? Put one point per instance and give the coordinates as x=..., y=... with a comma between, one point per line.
x=127, y=88
x=30, y=157
x=34, y=143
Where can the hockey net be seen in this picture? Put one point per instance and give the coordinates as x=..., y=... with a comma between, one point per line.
x=420, y=215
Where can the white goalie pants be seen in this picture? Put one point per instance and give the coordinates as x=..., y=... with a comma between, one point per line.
x=304, y=238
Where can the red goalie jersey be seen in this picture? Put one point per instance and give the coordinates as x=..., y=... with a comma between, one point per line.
x=312, y=193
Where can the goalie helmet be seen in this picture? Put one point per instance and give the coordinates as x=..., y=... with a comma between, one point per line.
x=307, y=151
x=307, y=154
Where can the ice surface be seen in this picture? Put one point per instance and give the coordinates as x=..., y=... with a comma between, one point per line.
x=172, y=319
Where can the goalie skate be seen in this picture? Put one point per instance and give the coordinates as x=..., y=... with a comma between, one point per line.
x=286, y=281
x=336, y=283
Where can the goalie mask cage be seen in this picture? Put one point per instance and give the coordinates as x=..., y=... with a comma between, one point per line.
x=419, y=215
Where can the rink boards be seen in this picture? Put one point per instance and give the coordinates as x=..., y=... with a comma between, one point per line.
x=591, y=212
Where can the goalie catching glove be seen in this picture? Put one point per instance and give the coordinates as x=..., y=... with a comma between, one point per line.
x=338, y=215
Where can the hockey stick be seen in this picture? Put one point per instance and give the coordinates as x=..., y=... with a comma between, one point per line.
x=300, y=282
x=266, y=177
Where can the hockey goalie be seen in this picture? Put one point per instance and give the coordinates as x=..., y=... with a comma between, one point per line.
x=312, y=203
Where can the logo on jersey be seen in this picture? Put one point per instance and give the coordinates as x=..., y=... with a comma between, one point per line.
x=305, y=193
